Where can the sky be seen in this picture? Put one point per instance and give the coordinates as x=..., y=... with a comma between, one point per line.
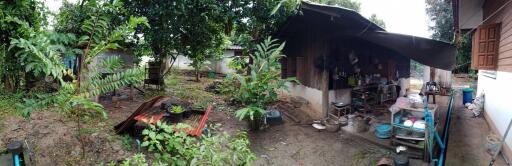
x=401, y=16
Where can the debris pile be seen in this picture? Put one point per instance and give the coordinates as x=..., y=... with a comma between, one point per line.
x=477, y=106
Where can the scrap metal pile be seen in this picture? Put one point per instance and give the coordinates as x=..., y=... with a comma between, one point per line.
x=159, y=109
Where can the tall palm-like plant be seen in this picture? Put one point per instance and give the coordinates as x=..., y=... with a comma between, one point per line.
x=259, y=88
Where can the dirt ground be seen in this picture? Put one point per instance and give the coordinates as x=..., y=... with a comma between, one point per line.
x=53, y=137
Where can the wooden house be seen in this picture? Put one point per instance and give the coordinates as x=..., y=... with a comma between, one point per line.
x=489, y=24
x=327, y=47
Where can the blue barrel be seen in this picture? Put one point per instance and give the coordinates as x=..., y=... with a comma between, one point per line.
x=467, y=96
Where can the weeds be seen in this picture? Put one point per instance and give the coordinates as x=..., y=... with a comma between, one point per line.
x=127, y=142
x=135, y=160
x=170, y=144
x=8, y=102
x=368, y=156
x=179, y=86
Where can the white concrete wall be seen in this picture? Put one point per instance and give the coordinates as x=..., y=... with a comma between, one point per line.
x=498, y=100
x=314, y=97
x=219, y=66
x=183, y=62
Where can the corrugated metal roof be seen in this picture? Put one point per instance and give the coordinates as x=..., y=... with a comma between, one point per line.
x=234, y=47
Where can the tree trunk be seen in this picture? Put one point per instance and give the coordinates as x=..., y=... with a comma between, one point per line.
x=197, y=74
x=166, y=67
x=8, y=84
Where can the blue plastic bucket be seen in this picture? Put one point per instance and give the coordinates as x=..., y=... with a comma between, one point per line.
x=467, y=96
x=383, y=131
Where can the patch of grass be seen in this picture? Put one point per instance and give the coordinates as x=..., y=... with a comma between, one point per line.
x=151, y=94
x=368, y=156
x=183, y=87
x=8, y=103
x=172, y=80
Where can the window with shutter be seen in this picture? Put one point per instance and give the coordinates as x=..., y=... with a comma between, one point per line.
x=485, y=47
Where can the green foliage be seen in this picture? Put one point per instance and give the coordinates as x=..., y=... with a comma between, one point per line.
x=259, y=19
x=171, y=145
x=72, y=17
x=18, y=19
x=464, y=55
x=41, y=54
x=238, y=64
x=177, y=109
x=161, y=39
x=259, y=88
x=7, y=101
x=127, y=142
x=136, y=160
x=194, y=29
x=441, y=14
x=350, y=4
x=250, y=113
x=373, y=18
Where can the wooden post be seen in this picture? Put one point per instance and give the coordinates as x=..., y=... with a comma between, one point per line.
x=325, y=92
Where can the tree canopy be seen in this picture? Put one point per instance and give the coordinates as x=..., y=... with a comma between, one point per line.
x=350, y=4
x=441, y=15
x=373, y=18
x=200, y=29
x=17, y=19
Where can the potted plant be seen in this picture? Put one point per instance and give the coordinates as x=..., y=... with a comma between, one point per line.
x=253, y=115
x=176, y=113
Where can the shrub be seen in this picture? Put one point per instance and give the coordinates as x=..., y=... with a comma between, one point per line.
x=171, y=145
x=259, y=88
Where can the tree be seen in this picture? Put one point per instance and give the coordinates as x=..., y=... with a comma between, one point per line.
x=440, y=13
x=193, y=28
x=350, y=4
x=161, y=40
x=41, y=53
x=17, y=19
x=373, y=18
x=258, y=21
x=201, y=24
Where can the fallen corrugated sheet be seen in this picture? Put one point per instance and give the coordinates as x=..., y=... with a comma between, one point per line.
x=143, y=108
